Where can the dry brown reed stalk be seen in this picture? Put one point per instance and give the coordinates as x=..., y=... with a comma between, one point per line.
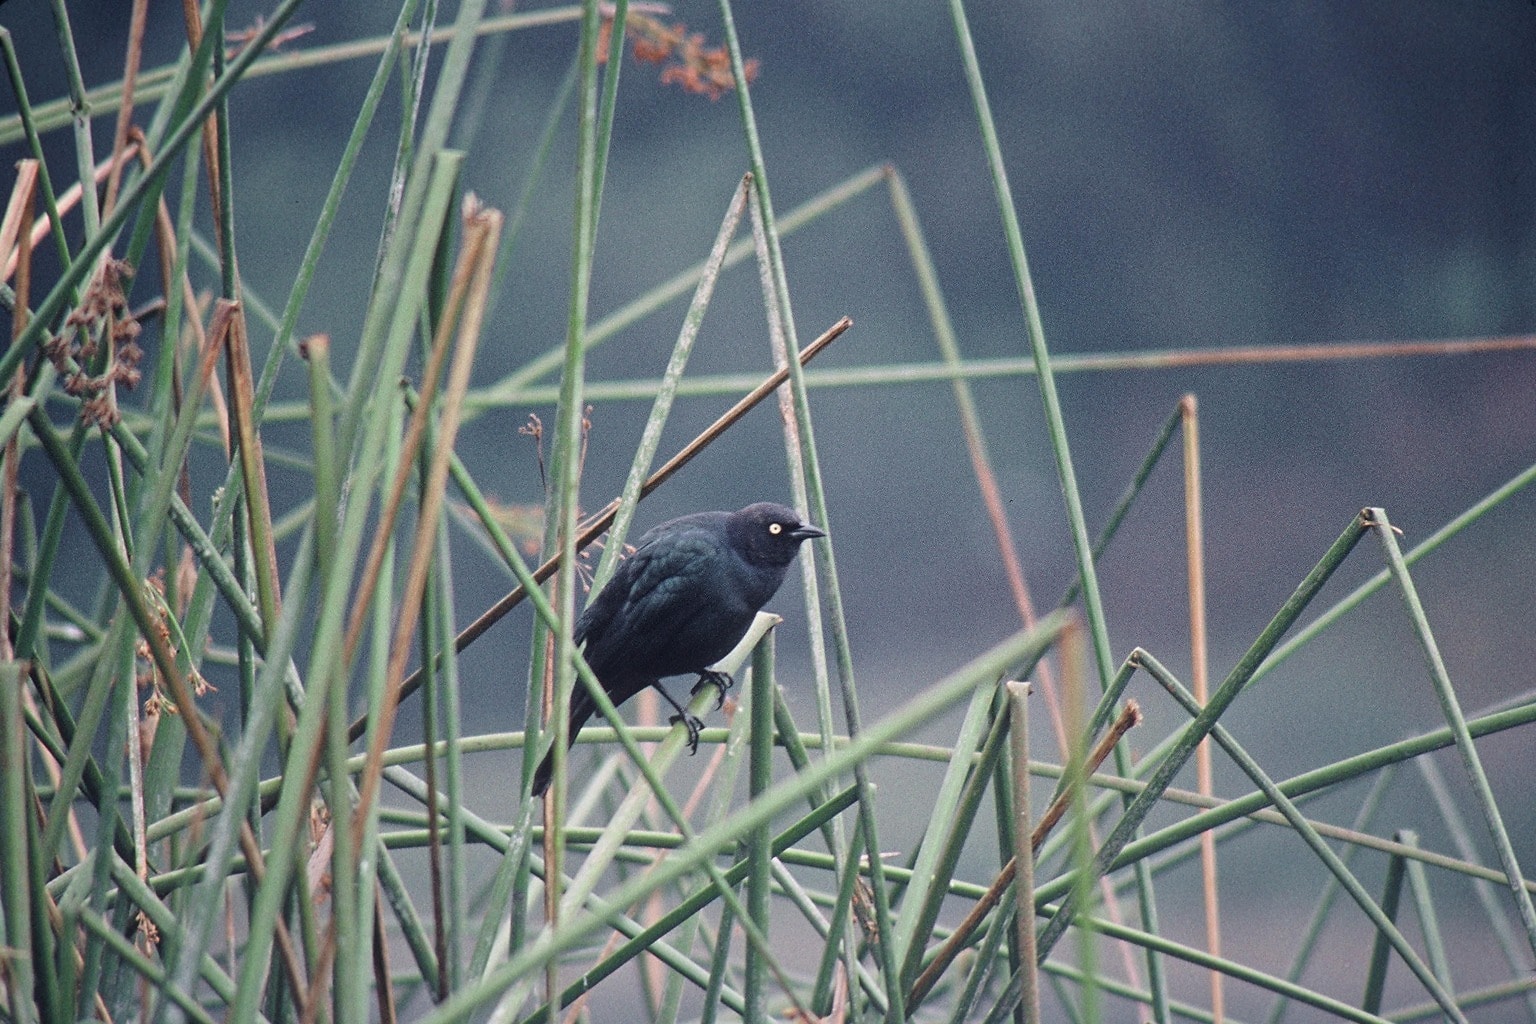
x=66, y=202
x=16, y=227
x=1194, y=544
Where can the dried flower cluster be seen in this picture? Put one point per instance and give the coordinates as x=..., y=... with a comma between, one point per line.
x=234, y=41
x=149, y=934
x=688, y=63
x=102, y=313
x=159, y=702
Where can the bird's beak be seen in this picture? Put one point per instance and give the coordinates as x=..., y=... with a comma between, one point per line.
x=806, y=531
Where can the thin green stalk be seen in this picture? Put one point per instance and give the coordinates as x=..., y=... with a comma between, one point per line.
x=514, y=864
x=721, y=799
x=690, y=907
x=1190, y=737
x=80, y=756
x=135, y=194
x=759, y=840
x=839, y=951
x=117, y=494
x=310, y=261
x=1381, y=949
x=584, y=884
x=178, y=288
x=326, y=475
x=80, y=119
x=843, y=950
x=1457, y=524
x=509, y=389
x=452, y=717
x=1424, y=906
x=223, y=833
x=1487, y=895
x=374, y=687
x=124, y=949
x=554, y=118
x=157, y=83
x=16, y=411
x=15, y=857
x=1470, y=999
x=650, y=437
x=413, y=74
x=347, y=898
x=806, y=903
x=1318, y=780
x=719, y=967
x=795, y=745
x=204, y=546
x=1019, y=649
x=1128, y=496
x=966, y=805
x=608, y=103
x=1194, y=956
x=428, y=455
x=27, y=635
x=395, y=891
x=981, y=970
x=1079, y=833
x=1451, y=707
x=1380, y=916
x=1320, y=913
x=120, y=655
x=1055, y=423
x=224, y=214
x=52, y=1003
x=562, y=504
x=803, y=439
x=87, y=777
x=26, y=121
x=71, y=622
x=1093, y=606
x=1241, y=972
x=519, y=389
x=970, y=420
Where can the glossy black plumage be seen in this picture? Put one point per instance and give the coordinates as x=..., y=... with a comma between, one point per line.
x=680, y=602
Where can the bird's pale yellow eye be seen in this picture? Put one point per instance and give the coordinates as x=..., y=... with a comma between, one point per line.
x=775, y=528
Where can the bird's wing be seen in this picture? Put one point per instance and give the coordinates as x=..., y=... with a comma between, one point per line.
x=648, y=594
x=667, y=585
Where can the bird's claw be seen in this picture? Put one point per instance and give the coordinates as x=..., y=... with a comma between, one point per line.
x=694, y=726
x=721, y=681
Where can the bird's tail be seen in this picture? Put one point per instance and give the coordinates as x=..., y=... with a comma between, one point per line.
x=581, y=710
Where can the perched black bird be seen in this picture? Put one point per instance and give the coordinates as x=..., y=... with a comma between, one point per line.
x=679, y=603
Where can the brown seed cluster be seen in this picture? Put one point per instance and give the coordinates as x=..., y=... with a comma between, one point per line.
x=687, y=62
x=102, y=314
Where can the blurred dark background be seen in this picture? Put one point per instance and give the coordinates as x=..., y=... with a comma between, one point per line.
x=1191, y=175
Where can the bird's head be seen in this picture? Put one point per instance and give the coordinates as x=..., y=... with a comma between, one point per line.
x=769, y=534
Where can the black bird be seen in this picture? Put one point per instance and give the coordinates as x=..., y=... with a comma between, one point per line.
x=679, y=603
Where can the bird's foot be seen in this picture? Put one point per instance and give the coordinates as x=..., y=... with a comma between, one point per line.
x=693, y=725
x=721, y=681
